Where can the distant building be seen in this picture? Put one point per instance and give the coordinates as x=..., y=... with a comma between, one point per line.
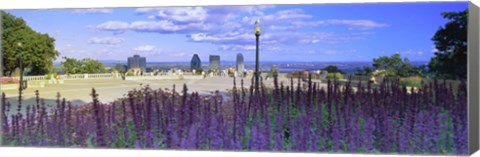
x=137, y=62
x=214, y=62
x=240, y=64
x=195, y=63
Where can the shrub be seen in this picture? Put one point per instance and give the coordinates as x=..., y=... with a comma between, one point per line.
x=411, y=81
x=9, y=80
x=274, y=72
x=130, y=73
x=336, y=76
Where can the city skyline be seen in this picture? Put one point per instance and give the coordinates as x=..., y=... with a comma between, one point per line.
x=338, y=32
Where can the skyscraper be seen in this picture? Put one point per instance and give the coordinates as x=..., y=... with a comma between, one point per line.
x=195, y=63
x=214, y=62
x=240, y=65
x=137, y=62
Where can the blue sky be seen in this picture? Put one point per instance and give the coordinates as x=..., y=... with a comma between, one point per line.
x=322, y=32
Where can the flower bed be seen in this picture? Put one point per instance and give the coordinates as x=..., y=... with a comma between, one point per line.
x=384, y=119
x=9, y=80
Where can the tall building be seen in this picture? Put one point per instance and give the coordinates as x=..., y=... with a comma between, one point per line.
x=214, y=62
x=137, y=62
x=240, y=64
x=195, y=63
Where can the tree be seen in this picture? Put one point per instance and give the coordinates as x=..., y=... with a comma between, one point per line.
x=363, y=71
x=394, y=66
x=37, y=50
x=450, y=61
x=121, y=68
x=92, y=66
x=71, y=65
x=84, y=66
x=333, y=69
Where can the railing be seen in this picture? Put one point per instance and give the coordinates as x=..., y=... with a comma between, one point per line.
x=32, y=78
x=164, y=77
x=71, y=77
x=87, y=76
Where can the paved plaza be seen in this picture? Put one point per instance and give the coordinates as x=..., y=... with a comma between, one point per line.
x=78, y=91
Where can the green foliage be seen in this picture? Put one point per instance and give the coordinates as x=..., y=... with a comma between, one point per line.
x=394, y=66
x=48, y=77
x=450, y=61
x=411, y=82
x=363, y=71
x=92, y=66
x=333, y=69
x=120, y=68
x=336, y=76
x=274, y=71
x=71, y=65
x=37, y=50
x=130, y=73
x=84, y=66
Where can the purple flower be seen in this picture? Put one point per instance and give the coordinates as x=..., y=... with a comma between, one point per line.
x=368, y=136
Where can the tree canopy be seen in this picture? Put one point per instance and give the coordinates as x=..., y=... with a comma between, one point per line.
x=84, y=66
x=333, y=69
x=37, y=50
x=450, y=61
x=394, y=66
x=363, y=71
x=120, y=68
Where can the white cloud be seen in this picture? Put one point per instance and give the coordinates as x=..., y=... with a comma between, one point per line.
x=274, y=27
x=147, y=50
x=236, y=41
x=144, y=48
x=232, y=47
x=285, y=15
x=162, y=26
x=278, y=17
x=145, y=10
x=248, y=47
x=410, y=52
x=231, y=28
x=351, y=24
x=221, y=38
x=87, y=11
x=106, y=40
x=183, y=14
x=69, y=50
x=114, y=26
x=184, y=19
x=324, y=38
x=165, y=26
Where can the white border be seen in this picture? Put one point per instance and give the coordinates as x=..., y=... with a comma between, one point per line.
x=69, y=152
x=51, y=4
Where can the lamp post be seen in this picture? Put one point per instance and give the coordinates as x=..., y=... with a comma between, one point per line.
x=257, y=73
